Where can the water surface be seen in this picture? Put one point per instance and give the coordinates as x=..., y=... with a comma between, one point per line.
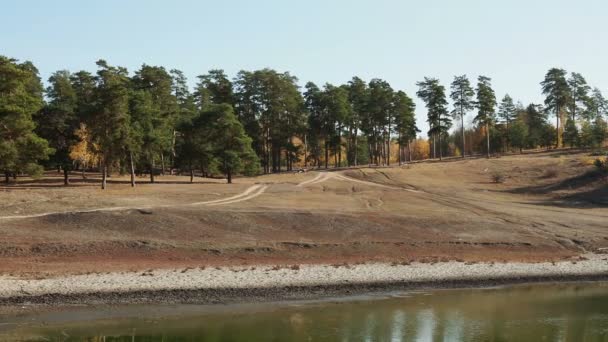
x=566, y=312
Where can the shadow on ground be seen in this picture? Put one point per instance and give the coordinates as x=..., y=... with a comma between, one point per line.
x=589, y=189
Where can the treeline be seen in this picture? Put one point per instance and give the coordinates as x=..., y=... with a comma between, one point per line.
x=151, y=122
x=579, y=110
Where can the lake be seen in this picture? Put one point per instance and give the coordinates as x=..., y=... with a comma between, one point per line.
x=562, y=312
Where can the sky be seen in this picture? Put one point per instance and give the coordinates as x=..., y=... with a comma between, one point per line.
x=514, y=42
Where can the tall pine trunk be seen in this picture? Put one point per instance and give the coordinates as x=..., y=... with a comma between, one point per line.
x=162, y=164
x=388, y=150
x=409, y=150
x=326, y=153
x=463, y=138
x=104, y=175
x=132, y=167
x=488, y=140
x=400, y=150
x=66, y=176
x=434, y=146
x=305, y=151
x=557, y=117
x=152, y=170
x=440, y=146
x=508, y=136
x=279, y=158
x=339, y=146
x=356, y=147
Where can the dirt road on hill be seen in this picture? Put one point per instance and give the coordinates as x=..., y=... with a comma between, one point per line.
x=423, y=212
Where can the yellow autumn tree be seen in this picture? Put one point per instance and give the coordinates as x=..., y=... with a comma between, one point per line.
x=82, y=152
x=421, y=149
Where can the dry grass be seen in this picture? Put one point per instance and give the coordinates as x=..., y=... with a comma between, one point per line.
x=431, y=212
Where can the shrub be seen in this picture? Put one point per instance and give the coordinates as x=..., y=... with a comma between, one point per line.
x=598, y=153
x=498, y=177
x=550, y=173
x=602, y=165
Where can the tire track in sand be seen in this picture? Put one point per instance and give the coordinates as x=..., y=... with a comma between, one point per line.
x=314, y=180
x=241, y=199
x=349, y=179
x=243, y=196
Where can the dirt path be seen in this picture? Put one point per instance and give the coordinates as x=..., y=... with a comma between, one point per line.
x=320, y=178
x=349, y=179
x=249, y=193
x=425, y=212
x=241, y=198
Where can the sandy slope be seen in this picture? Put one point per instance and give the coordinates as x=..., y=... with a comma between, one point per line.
x=426, y=212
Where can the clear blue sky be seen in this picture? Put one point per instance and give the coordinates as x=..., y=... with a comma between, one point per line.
x=512, y=41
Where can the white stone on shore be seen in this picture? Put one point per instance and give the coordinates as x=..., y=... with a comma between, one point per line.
x=306, y=275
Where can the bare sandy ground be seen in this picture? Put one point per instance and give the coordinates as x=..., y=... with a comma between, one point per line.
x=551, y=207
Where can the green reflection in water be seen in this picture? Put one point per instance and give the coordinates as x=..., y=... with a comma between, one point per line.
x=569, y=312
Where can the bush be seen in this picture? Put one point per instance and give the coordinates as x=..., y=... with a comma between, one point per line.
x=550, y=173
x=498, y=177
x=602, y=165
x=598, y=153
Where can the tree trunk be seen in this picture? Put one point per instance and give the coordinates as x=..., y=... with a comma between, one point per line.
x=356, y=147
x=335, y=158
x=434, y=146
x=305, y=151
x=162, y=164
x=229, y=176
x=339, y=146
x=66, y=176
x=463, y=138
x=488, y=140
x=440, y=146
x=326, y=153
x=7, y=177
x=400, y=149
x=287, y=160
x=152, y=171
x=104, y=175
x=388, y=149
x=557, y=127
x=132, y=167
x=278, y=148
x=508, y=136
x=409, y=150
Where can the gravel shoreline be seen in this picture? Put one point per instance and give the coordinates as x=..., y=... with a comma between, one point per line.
x=267, y=283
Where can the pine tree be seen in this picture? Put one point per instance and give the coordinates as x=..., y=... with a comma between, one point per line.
x=486, y=103
x=358, y=96
x=462, y=95
x=579, y=94
x=214, y=88
x=153, y=109
x=405, y=122
x=596, y=106
x=378, y=109
x=433, y=94
x=571, y=135
x=507, y=112
x=110, y=121
x=518, y=133
x=21, y=149
x=231, y=146
x=557, y=92
x=58, y=121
